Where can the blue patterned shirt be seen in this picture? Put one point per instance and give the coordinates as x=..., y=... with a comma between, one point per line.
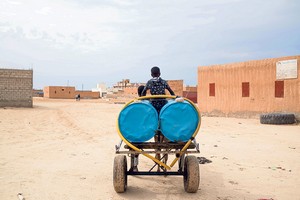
x=157, y=86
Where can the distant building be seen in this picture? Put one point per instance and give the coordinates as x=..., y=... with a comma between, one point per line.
x=130, y=91
x=101, y=88
x=37, y=93
x=59, y=92
x=122, y=84
x=126, y=89
x=251, y=87
x=68, y=92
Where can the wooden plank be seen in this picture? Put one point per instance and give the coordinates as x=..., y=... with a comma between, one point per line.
x=155, y=145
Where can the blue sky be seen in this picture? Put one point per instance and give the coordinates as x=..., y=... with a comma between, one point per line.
x=85, y=42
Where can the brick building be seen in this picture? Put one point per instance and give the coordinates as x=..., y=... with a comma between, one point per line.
x=16, y=88
x=251, y=87
x=59, y=92
x=131, y=91
x=68, y=92
x=88, y=94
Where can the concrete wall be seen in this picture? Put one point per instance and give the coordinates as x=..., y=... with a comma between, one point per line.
x=261, y=77
x=15, y=88
x=59, y=92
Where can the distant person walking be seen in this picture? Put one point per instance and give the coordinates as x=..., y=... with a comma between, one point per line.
x=77, y=97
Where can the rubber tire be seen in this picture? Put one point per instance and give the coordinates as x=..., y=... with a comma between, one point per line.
x=119, y=174
x=191, y=174
x=277, y=118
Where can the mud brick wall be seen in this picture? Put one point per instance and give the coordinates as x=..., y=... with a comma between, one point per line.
x=176, y=86
x=131, y=91
x=190, y=89
x=59, y=92
x=247, y=88
x=15, y=88
x=88, y=94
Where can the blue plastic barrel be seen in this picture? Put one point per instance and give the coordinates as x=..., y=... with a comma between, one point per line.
x=138, y=121
x=178, y=121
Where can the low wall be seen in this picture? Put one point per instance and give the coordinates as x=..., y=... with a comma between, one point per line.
x=190, y=95
x=88, y=94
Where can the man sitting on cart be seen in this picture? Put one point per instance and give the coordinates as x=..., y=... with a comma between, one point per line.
x=157, y=86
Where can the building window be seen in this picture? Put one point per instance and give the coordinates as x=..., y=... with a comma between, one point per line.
x=62, y=89
x=245, y=89
x=279, y=89
x=55, y=92
x=212, y=89
x=69, y=92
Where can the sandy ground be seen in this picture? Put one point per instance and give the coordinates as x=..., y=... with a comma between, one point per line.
x=63, y=149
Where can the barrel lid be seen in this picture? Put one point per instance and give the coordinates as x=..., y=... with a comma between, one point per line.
x=138, y=121
x=178, y=120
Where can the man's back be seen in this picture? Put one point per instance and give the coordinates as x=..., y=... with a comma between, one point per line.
x=157, y=86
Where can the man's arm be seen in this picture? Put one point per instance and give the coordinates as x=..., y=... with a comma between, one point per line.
x=144, y=92
x=169, y=89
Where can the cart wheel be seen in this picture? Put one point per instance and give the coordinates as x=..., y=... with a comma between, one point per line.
x=119, y=174
x=191, y=175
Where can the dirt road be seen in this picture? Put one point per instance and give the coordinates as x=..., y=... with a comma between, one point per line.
x=63, y=149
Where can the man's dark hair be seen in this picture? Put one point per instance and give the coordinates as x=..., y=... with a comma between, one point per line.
x=155, y=72
x=140, y=90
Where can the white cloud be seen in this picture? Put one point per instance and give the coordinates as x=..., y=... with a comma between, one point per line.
x=113, y=39
x=50, y=20
x=14, y=2
x=82, y=27
x=44, y=11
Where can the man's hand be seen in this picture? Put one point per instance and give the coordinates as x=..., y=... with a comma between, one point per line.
x=179, y=99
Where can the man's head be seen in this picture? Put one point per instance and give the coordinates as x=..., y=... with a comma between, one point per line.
x=155, y=72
